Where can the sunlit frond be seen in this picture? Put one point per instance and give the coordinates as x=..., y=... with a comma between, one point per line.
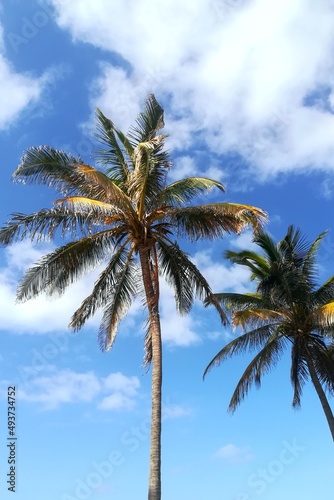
x=214, y=220
x=324, y=315
x=257, y=317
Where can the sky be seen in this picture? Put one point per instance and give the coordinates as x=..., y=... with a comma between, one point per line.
x=248, y=92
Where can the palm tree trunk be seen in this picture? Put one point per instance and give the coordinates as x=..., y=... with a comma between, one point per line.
x=152, y=299
x=322, y=396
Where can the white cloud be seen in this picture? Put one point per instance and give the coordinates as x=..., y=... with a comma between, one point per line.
x=234, y=454
x=236, y=75
x=124, y=390
x=40, y=315
x=68, y=386
x=176, y=330
x=19, y=91
x=175, y=411
x=63, y=387
x=222, y=277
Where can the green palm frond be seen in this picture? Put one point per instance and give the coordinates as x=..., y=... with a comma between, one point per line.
x=114, y=158
x=299, y=371
x=324, y=293
x=122, y=291
x=249, y=341
x=57, y=270
x=183, y=191
x=69, y=175
x=255, y=262
x=46, y=165
x=263, y=362
x=148, y=122
x=323, y=362
x=101, y=293
x=186, y=279
x=240, y=301
x=214, y=220
x=43, y=225
x=148, y=176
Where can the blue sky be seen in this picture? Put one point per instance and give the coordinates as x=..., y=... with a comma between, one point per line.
x=248, y=92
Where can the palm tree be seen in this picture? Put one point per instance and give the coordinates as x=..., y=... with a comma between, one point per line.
x=288, y=308
x=125, y=215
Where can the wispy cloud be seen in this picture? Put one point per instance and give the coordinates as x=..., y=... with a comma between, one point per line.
x=175, y=411
x=234, y=454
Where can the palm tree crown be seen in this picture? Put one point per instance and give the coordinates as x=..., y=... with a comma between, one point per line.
x=123, y=214
x=288, y=308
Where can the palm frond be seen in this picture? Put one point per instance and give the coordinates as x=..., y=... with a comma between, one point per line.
x=183, y=191
x=324, y=315
x=186, y=279
x=263, y=362
x=323, y=362
x=248, y=341
x=148, y=122
x=214, y=220
x=255, y=262
x=54, y=272
x=257, y=317
x=122, y=291
x=299, y=371
x=43, y=225
x=240, y=301
x=118, y=168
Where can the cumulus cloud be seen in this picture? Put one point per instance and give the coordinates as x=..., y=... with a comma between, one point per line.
x=19, y=91
x=234, y=454
x=115, y=392
x=250, y=77
x=40, y=315
x=124, y=391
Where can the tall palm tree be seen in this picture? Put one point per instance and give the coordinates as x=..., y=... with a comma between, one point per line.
x=288, y=308
x=124, y=214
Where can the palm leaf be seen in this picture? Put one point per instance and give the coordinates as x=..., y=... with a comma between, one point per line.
x=180, y=192
x=43, y=225
x=108, y=135
x=121, y=292
x=54, y=272
x=186, y=279
x=214, y=220
x=148, y=122
x=299, y=371
x=247, y=342
x=263, y=362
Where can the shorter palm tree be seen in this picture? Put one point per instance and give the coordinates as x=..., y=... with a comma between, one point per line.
x=288, y=308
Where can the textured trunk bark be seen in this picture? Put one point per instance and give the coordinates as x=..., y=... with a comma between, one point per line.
x=152, y=299
x=322, y=396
